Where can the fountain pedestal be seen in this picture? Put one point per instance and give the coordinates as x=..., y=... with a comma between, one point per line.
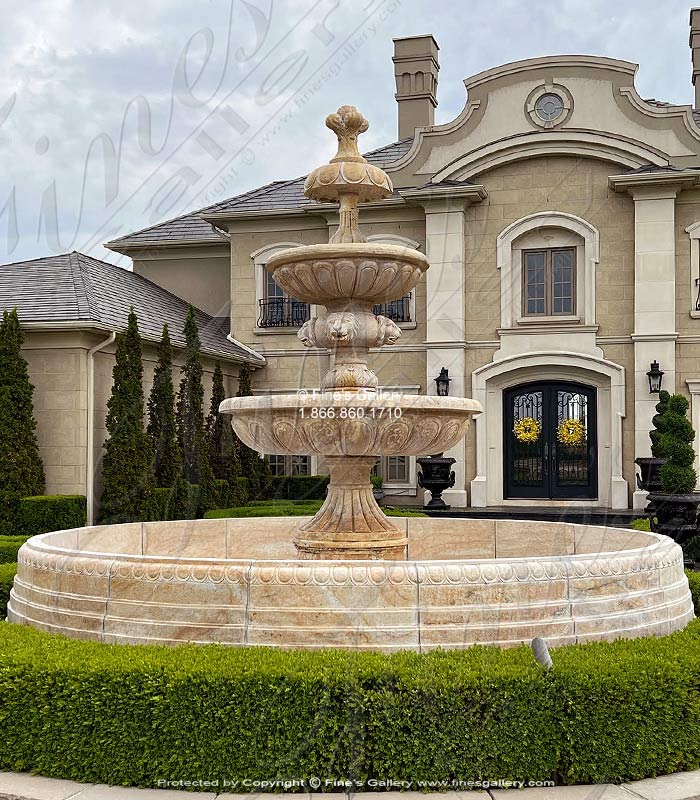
x=350, y=524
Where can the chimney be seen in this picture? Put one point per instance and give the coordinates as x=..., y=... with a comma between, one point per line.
x=416, y=71
x=694, y=43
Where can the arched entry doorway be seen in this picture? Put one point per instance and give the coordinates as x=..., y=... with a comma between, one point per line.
x=493, y=380
x=550, y=438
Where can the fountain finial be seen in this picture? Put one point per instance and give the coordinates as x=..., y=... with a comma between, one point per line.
x=349, y=178
x=347, y=123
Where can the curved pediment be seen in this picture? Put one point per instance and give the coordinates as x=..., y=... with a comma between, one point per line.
x=557, y=105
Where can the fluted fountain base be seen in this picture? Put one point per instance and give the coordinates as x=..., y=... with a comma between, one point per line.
x=350, y=524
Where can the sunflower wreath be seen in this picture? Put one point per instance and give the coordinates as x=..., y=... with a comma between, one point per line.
x=527, y=430
x=571, y=431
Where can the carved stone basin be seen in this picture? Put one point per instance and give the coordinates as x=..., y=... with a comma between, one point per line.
x=343, y=424
x=465, y=582
x=331, y=275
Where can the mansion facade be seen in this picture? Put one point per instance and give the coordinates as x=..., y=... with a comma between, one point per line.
x=560, y=212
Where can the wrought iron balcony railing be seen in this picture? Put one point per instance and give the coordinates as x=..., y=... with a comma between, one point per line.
x=282, y=312
x=397, y=310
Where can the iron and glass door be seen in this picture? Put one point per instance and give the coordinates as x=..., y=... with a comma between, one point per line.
x=550, y=441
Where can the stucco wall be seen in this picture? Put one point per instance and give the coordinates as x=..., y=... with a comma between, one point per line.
x=571, y=185
x=200, y=275
x=58, y=369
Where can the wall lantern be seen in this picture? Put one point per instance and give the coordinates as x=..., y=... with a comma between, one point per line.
x=656, y=377
x=443, y=383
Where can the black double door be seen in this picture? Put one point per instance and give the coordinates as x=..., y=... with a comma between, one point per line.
x=550, y=441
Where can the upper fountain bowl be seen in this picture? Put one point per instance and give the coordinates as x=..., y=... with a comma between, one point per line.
x=363, y=272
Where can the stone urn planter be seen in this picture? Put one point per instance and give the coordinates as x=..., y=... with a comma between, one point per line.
x=675, y=515
x=436, y=475
x=649, y=478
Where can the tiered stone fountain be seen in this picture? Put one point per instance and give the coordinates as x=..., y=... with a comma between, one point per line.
x=350, y=577
x=348, y=422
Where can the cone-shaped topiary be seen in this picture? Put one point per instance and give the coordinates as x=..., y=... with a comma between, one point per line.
x=675, y=435
x=223, y=450
x=658, y=423
x=190, y=420
x=167, y=462
x=21, y=468
x=126, y=466
x=254, y=468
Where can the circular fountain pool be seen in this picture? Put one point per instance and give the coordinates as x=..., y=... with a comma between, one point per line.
x=464, y=582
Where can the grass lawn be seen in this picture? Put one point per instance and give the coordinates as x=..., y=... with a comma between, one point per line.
x=289, y=508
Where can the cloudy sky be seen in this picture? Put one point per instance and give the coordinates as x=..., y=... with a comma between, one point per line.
x=115, y=116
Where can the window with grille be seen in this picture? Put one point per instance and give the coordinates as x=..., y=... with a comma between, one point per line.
x=290, y=465
x=549, y=282
x=393, y=469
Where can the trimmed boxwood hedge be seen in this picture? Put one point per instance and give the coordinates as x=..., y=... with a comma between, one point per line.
x=299, y=487
x=43, y=513
x=129, y=715
x=7, y=575
x=49, y=512
x=9, y=545
x=290, y=508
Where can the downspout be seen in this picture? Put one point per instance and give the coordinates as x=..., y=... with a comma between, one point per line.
x=90, y=461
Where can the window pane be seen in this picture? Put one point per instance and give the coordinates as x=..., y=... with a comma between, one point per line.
x=273, y=290
x=535, y=282
x=563, y=281
x=301, y=465
x=397, y=469
x=277, y=465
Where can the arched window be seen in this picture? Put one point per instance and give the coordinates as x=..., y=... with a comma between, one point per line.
x=548, y=263
x=277, y=311
x=402, y=310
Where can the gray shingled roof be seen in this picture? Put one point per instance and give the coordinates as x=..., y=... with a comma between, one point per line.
x=76, y=288
x=276, y=195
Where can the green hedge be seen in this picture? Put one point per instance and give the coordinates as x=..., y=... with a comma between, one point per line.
x=7, y=575
x=46, y=512
x=133, y=715
x=694, y=583
x=299, y=487
x=223, y=495
x=274, y=508
x=9, y=545
x=289, y=508
x=640, y=524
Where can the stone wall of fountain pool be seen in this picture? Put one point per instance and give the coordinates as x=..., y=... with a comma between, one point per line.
x=464, y=582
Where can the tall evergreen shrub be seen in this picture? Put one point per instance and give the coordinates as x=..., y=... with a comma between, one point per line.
x=126, y=466
x=222, y=444
x=255, y=468
x=190, y=419
x=21, y=468
x=162, y=431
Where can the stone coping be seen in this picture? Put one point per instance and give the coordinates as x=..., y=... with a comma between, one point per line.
x=483, y=542
x=680, y=786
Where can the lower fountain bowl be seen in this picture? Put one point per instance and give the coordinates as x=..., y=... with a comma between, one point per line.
x=239, y=582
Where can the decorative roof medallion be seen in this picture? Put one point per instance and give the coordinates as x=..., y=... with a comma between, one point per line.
x=549, y=105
